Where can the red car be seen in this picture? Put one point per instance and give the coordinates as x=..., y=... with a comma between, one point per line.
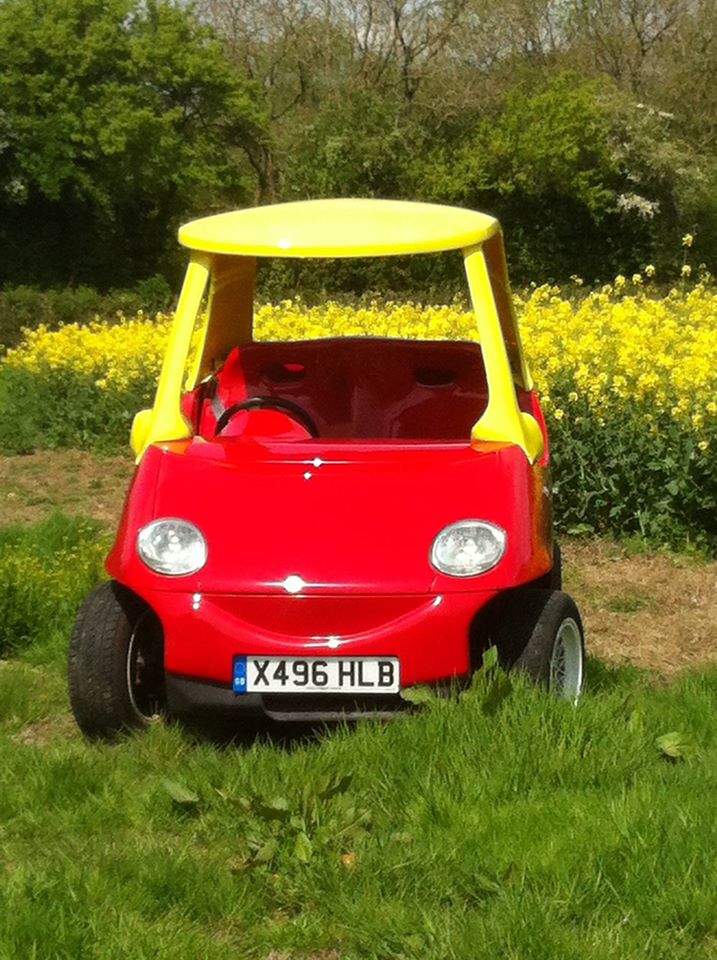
x=314, y=526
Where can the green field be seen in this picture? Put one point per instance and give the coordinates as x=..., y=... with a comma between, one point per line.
x=517, y=828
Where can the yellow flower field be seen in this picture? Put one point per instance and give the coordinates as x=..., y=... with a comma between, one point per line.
x=617, y=346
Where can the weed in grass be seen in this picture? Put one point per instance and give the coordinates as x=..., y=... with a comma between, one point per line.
x=630, y=601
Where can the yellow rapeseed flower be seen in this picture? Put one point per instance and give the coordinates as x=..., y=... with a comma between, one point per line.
x=616, y=352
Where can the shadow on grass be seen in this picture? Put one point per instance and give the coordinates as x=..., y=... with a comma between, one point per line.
x=226, y=733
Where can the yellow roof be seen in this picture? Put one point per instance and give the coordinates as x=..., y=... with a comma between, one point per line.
x=339, y=228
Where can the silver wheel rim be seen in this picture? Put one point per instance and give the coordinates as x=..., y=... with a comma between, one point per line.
x=147, y=707
x=566, y=662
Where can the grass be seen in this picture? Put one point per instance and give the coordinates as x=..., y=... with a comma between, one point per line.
x=543, y=831
x=45, y=572
x=526, y=829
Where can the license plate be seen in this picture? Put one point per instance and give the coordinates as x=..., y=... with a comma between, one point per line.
x=316, y=675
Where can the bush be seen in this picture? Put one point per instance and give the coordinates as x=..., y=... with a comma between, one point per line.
x=29, y=307
x=60, y=411
x=613, y=474
x=81, y=385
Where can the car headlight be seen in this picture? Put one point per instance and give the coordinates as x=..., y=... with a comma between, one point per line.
x=172, y=546
x=467, y=548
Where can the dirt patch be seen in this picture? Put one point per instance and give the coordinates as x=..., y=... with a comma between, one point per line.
x=75, y=482
x=653, y=610
x=43, y=732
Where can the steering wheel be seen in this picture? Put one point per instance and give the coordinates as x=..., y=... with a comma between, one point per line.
x=269, y=403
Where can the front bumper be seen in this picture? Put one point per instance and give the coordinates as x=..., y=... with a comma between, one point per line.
x=190, y=697
x=430, y=634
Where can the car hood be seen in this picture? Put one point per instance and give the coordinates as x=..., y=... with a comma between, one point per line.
x=294, y=518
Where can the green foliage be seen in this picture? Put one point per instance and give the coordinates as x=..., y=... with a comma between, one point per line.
x=118, y=117
x=54, y=410
x=318, y=816
x=353, y=146
x=675, y=745
x=489, y=687
x=527, y=831
x=546, y=142
x=45, y=573
x=183, y=798
x=621, y=474
x=549, y=163
x=584, y=180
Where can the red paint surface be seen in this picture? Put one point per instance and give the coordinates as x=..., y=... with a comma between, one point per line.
x=428, y=634
x=354, y=518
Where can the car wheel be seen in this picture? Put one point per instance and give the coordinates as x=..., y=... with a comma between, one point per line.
x=540, y=633
x=116, y=663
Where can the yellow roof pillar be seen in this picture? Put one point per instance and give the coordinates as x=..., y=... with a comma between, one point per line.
x=502, y=419
x=165, y=421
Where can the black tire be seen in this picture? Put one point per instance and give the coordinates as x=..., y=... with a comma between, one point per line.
x=116, y=663
x=540, y=633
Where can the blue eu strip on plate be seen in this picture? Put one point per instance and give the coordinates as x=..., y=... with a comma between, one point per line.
x=239, y=675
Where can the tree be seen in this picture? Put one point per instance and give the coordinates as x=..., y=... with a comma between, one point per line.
x=585, y=181
x=321, y=63
x=624, y=38
x=118, y=117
